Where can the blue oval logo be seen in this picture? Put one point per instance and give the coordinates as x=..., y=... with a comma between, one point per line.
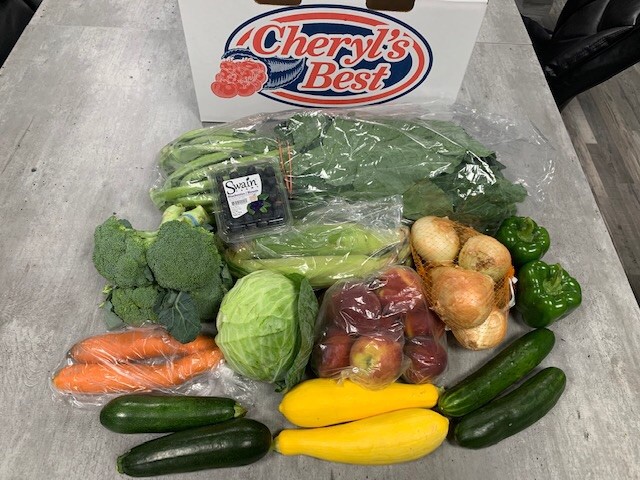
x=323, y=56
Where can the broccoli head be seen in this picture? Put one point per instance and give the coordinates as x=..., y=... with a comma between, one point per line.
x=135, y=306
x=184, y=257
x=174, y=276
x=119, y=253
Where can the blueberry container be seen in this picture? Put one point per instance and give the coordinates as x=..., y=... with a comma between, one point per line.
x=250, y=199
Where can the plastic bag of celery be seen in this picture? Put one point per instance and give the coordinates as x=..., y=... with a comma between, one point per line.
x=443, y=160
x=336, y=242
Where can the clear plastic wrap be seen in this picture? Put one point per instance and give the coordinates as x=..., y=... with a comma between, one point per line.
x=338, y=241
x=135, y=360
x=378, y=329
x=445, y=161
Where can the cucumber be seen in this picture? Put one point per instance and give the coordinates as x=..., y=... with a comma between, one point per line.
x=512, y=413
x=233, y=443
x=164, y=413
x=502, y=371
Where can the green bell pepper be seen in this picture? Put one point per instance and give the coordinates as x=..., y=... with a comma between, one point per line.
x=545, y=293
x=524, y=238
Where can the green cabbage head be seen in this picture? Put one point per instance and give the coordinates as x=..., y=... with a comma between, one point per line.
x=265, y=327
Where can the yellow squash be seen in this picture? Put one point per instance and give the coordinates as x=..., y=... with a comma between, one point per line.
x=393, y=437
x=323, y=401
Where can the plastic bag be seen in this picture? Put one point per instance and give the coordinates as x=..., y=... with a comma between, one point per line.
x=378, y=329
x=137, y=360
x=336, y=242
x=467, y=277
x=444, y=161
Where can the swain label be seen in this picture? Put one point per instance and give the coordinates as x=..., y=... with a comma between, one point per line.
x=323, y=56
x=241, y=193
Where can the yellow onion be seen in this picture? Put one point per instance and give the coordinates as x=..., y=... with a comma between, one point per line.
x=487, y=255
x=462, y=298
x=488, y=334
x=435, y=239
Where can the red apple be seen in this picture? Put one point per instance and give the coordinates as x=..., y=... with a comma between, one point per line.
x=399, y=289
x=331, y=355
x=428, y=360
x=389, y=325
x=354, y=309
x=423, y=322
x=376, y=361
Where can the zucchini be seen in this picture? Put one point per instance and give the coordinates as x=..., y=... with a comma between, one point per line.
x=164, y=413
x=233, y=443
x=512, y=413
x=506, y=368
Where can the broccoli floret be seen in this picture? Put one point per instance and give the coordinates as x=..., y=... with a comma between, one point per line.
x=135, y=306
x=184, y=257
x=208, y=299
x=120, y=251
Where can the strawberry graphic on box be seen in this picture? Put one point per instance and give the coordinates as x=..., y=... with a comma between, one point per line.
x=242, y=73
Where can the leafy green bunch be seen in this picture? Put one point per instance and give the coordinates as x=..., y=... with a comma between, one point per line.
x=437, y=167
x=173, y=276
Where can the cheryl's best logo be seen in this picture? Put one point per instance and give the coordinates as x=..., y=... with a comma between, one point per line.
x=323, y=56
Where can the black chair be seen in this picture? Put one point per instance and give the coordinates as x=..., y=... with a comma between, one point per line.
x=14, y=17
x=592, y=41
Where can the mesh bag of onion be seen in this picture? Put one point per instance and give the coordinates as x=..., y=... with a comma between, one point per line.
x=467, y=279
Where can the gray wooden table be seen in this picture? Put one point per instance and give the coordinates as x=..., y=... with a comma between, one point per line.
x=95, y=88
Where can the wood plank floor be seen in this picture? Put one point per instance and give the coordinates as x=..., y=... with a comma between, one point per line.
x=604, y=126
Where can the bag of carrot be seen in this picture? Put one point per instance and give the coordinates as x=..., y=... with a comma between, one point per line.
x=133, y=361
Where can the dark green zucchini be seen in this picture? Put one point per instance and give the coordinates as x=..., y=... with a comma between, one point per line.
x=166, y=413
x=512, y=413
x=506, y=368
x=233, y=443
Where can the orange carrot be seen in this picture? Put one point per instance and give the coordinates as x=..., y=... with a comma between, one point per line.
x=135, y=345
x=97, y=378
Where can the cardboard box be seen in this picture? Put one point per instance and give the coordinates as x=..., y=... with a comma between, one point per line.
x=248, y=57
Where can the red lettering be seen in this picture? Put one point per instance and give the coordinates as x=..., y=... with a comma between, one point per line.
x=398, y=49
x=318, y=76
x=294, y=41
x=366, y=48
x=317, y=45
x=360, y=82
x=358, y=52
x=289, y=41
x=382, y=72
x=322, y=76
x=336, y=44
x=343, y=80
x=260, y=36
x=375, y=51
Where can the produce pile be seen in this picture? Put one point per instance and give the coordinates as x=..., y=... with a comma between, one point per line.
x=329, y=256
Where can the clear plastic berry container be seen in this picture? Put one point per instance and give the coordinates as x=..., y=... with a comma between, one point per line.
x=250, y=199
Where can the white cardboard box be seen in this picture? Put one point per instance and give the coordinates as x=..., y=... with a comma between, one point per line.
x=248, y=58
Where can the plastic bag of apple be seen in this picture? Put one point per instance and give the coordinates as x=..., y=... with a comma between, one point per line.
x=378, y=329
